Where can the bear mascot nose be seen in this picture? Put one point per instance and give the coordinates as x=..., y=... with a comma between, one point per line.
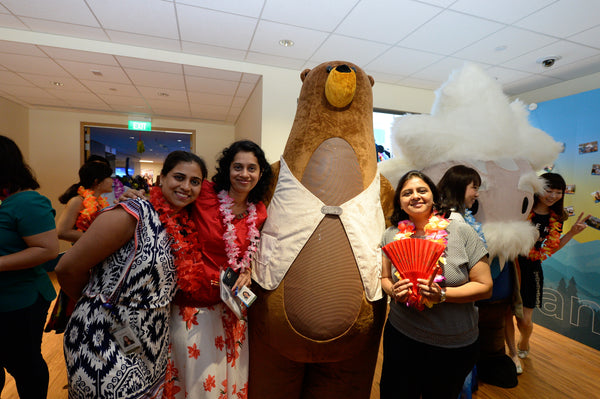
x=340, y=86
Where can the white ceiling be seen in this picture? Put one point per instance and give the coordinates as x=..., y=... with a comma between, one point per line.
x=404, y=42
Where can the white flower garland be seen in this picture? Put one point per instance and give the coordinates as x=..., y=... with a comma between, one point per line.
x=231, y=248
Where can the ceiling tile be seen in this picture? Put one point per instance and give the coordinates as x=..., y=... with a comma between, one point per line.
x=47, y=82
x=273, y=60
x=530, y=83
x=449, y=32
x=29, y=64
x=206, y=26
x=148, y=65
x=506, y=76
x=494, y=49
x=570, y=52
x=83, y=70
x=359, y=52
x=19, y=48
x=208, y=99
x=145, y=17
x=245, y=90
x=268, y=34
x=440, y=70
x=402, y=61
x=249, y=8
x=213, y=51
x=135, y=39
x=420, y=83
x=591, y=37
x=9, y=21
x=386, y=21
x=11, y=78
x=302, y=13
x=563, y=18
x=570, y=71
x=81, y=56
x=207, y=85
x=152, y=94
x=63, y=28
x=161, y=80
x=505, y=11
x=191, y=70
x=53, y=10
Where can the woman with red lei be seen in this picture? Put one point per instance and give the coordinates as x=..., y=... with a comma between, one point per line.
x=433, y=319
x=209, y=343
x=123, y=273
x=83, y=203
x=547, y=215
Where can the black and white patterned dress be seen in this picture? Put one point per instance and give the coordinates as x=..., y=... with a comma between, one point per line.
x=134, y=287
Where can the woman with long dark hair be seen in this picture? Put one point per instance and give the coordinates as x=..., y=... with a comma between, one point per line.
x=123, y=273
x=84, y=202
x=548, y=215
x=27, y=240
x=209, y=344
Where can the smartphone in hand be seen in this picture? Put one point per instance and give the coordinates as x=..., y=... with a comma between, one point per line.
x=230, y=277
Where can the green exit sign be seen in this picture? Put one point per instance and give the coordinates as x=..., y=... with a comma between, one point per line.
x=140, y=125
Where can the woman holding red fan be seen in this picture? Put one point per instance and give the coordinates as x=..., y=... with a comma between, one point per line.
x=431, y=337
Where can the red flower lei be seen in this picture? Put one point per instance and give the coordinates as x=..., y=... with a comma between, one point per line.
x=552, y=241
x=182, y=230
x=91, y=206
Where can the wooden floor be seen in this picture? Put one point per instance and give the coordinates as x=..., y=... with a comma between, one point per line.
x=557, y=367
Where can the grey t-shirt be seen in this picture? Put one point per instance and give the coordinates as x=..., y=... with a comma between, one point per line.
x=448, y=325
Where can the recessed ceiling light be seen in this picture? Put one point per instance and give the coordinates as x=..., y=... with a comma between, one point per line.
x=286, y=42
x=163, y=94
x=132, y=138
x=146, y=161
x=59, y=84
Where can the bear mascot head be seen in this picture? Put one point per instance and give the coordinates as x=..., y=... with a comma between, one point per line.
x=473, y=123
x=315, y=327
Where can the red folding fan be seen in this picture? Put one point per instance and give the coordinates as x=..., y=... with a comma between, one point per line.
x=414, y=258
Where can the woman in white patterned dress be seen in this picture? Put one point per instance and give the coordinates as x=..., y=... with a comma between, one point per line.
x=123, y=272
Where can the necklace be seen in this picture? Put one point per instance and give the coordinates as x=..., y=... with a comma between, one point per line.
x=470, y=219
x=232, y=250
x=181, y=229
x=91, y=206
x=552, y=241
x=435, y=230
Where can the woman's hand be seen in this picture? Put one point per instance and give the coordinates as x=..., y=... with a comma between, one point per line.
x=131, y=194
x=244, y=279
x=401, y=290
x=431, y=293
x=579, y=225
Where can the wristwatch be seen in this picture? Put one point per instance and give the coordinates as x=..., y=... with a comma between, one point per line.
x=442, y=295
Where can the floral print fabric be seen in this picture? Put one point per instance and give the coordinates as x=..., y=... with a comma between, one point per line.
x=214, y=363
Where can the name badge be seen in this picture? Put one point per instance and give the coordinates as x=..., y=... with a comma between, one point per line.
x=331, y=210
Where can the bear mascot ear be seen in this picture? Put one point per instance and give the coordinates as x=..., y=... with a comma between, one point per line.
x=315, y=327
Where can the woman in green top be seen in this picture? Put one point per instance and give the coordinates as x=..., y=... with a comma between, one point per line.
x=27, y=239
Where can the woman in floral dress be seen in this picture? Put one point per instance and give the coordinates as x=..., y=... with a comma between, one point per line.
x=123, y=272
x=209, y=345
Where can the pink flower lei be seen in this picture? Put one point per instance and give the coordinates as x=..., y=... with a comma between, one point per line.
x=231, y=248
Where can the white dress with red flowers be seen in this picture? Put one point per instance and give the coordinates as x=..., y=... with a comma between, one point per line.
x=208, y=344
x=214, y=361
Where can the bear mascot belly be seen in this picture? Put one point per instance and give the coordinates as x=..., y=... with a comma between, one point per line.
x=316, y=325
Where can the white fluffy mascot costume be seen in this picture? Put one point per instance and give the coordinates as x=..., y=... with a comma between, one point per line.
x=473, y=123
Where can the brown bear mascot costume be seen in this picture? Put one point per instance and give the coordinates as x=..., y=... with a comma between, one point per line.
x=316, y=325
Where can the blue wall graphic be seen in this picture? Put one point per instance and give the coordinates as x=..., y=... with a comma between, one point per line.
x=571, y=304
